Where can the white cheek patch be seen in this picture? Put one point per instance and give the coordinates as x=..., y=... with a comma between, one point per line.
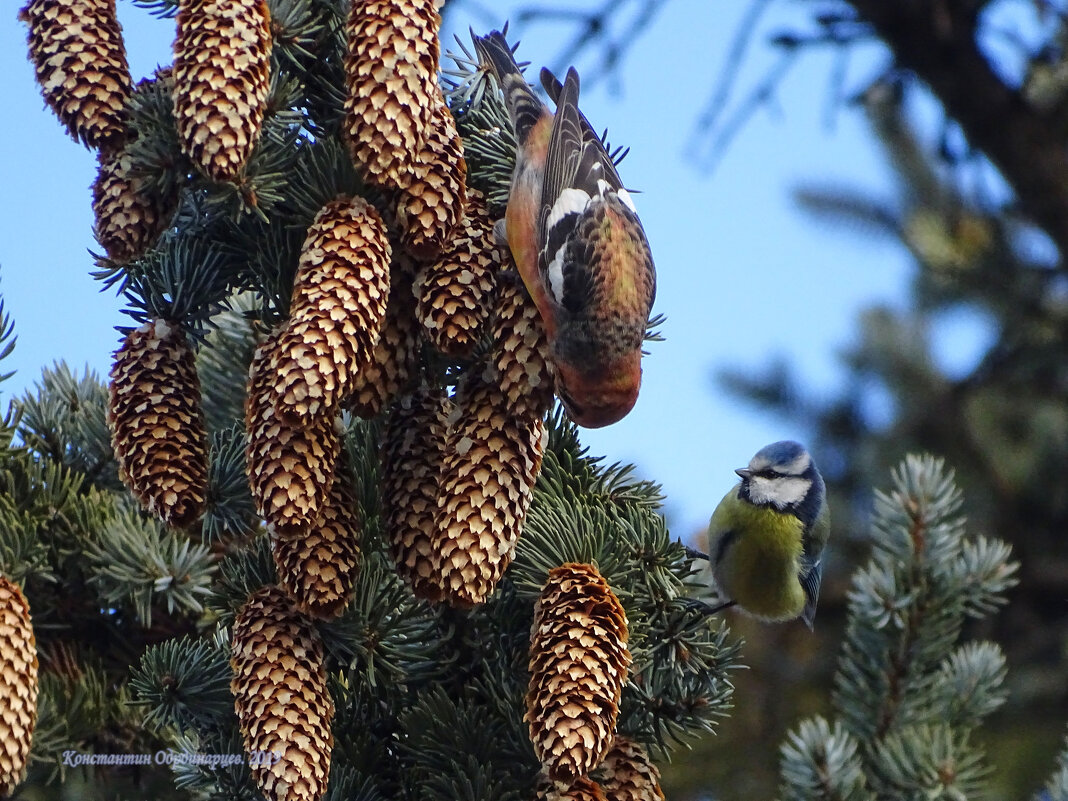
x=556, y=274
x=571, y=200
x=780, y=492
x=626, y=199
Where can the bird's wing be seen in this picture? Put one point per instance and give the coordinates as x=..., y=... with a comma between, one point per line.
x=578, y=169
x=811, y=573
x=810, y=577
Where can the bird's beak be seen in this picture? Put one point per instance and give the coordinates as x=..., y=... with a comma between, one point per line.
x=744, y=472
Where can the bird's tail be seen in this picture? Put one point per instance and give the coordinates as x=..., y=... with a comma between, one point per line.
x=524, y=107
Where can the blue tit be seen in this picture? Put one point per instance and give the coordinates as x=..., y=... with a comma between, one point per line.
x=767, y=534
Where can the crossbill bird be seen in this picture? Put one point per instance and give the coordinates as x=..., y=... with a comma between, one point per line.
x=577, y=242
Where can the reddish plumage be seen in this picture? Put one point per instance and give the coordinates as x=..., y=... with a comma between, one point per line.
x=577, y=242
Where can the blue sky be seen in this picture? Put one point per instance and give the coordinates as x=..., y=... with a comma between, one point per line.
x=743, y=275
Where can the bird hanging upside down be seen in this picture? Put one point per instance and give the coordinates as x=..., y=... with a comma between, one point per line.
x=577, y=242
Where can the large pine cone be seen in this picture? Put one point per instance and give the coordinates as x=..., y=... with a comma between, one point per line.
x=78, y=53
x=157, y=425
x=283, y=706
x=578, y=666
x=222, y=72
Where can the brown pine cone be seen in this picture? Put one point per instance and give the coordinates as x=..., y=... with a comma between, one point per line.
x=491, y=463
x=79, y=56
x=18, y=685
x=157, y=426
x=338, y=308
x=413, y=445
x=578, y=666
x=317, y=568
x=456, y=294
x=222, y=77
x=627, y=774
x=290, y=466
x=391, y=69
x=284, y=708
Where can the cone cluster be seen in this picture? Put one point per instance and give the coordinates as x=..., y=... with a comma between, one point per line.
x=492, y=459
x=18, y=685
x=456, y=293
x=290, y=464
x=79, y=57
x=157, y=427
x=337, y=310
x=128, y=218
x=413, y=445
x=318, y=567
x=578, y=666
x=626, y=774
x=283, y=706
x=222, y=71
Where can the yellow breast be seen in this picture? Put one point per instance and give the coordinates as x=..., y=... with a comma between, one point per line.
x=760, y=564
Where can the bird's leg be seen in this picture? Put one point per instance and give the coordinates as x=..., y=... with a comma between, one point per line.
x=693, y=553
x=707, y=608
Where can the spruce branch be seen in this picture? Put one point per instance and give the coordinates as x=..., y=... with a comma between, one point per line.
x=223, y=361
x=385, y=635
x=460, y=750
x=185, y=683
x=1056, y=788
x=229, y=510
x=908, y=695
x=64, y=418
x=821, y=761
x=143, y=564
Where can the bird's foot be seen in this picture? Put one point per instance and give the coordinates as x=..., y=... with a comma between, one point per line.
x=693, y=553
x=706, y=608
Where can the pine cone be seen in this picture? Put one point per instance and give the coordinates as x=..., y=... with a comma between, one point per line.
x=222, y=71
x=413, y=443
x=18, y=685
x=492, y=459
x=128, y=217
x=157, y=426
x=290, y=466
x=283, y=706
x=396, y=356
x=627, y=774
x=318, y=567
x=338, y=308
x=455, y=294
x=77, y=51
x=578, y=666
x=521, y=351
x=433, y=189
x=582, y=789
x=391, y=70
